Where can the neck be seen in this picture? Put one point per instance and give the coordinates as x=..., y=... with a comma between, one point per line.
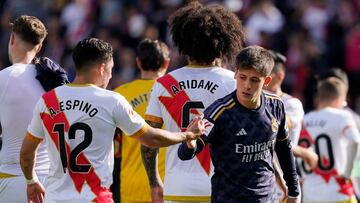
x=24, y=58
x=216, y=62
x=325, y=104
x=151, y=75
x=84, y=79
x=252, y=104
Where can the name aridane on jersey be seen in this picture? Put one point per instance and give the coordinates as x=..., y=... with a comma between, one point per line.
x=78, y=105
x=174, y=99
x=195, y=84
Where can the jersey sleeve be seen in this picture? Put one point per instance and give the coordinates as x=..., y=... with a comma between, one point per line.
x=294, y=115
x=153, y=110
x=350, y=130
x=35, y=127
x=130, y=122
x=283, y=131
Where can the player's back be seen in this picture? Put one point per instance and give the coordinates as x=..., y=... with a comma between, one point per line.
x=175, y=99
x=81, y=121
x=134, y=184
x=329, y=132
x=19, y=92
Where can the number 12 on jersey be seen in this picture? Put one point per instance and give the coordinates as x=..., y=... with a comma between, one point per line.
x=71, y=158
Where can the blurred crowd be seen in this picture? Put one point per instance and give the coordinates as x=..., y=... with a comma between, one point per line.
x=314, y=35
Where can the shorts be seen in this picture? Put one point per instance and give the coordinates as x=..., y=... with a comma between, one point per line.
x=13, y=188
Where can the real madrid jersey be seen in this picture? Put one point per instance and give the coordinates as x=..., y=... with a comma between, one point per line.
x=329, y=132
x=78, y=124
x=175, y=99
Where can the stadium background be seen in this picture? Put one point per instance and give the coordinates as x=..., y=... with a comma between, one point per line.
x=314, y=34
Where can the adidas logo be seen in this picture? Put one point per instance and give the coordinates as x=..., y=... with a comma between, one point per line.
x=241, y=132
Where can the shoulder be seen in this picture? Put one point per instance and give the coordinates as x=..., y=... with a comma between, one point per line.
x=214, y=111
x=272, y=98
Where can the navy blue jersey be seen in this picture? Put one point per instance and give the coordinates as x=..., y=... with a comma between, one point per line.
x=242, y=143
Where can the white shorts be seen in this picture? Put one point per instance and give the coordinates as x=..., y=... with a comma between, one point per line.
x=13, y=189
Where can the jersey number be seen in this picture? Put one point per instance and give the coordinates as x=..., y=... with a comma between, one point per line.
x=321, y=164
x=186, y=110
x=59, y=128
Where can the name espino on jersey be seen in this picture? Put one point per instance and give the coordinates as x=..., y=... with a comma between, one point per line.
x=75, y=105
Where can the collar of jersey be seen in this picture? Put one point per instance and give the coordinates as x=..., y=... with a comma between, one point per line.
x=79, y=85
x=199, y=66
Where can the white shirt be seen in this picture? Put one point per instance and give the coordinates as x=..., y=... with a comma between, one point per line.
x=84, y=118
x=294, y=115
x=330, y=132
x=19, y=92
x=190, y=91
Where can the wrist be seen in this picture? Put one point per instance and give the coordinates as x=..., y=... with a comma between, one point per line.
x=32, y=181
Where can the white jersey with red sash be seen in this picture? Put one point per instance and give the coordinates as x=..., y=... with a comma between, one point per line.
x=329, y=132
x=175, y=99
x=78, y=124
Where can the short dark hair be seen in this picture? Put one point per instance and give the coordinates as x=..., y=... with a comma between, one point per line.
x=335, y=72
x=279, y=60
x=91, y=50
x=330, y=88
x=152, y=54
x=255, y=57
x=204, y=33
x=29, y=29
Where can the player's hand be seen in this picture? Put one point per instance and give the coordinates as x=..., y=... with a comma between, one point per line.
x=157, y=194
x=293, y=200
x=197, y=127
x=35, y=193
x=310, y=158
x=191, y=144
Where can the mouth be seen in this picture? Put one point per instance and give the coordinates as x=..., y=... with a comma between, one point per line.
x=246, y=94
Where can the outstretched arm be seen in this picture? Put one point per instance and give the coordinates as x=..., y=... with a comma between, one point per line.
x=189, y=149
x=150, y=161
x=35, y=191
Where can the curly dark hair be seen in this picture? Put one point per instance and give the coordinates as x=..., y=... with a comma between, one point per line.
x=29, y=28
x=89, y=51
x=204, y=33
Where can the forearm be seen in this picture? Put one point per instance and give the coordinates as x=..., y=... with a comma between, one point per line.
x=352, y=154
x=27, y=163
x=150, y=161
x=163, y=138
x=287, y=163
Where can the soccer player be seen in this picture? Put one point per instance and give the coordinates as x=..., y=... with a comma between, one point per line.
x=294, y=114
x=243, y=128
x=208, y=36
x=78, y=122
x=152, y=60
x=19, y=92
x=331, y=132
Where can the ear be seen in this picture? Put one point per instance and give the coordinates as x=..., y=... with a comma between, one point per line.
x=138, y=63
x=38, y=48
x=267, y=80
x=12, y=39
x=165, y=64
x=101, y=68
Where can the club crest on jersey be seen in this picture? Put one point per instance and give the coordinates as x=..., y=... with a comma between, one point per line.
x=274, y=125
